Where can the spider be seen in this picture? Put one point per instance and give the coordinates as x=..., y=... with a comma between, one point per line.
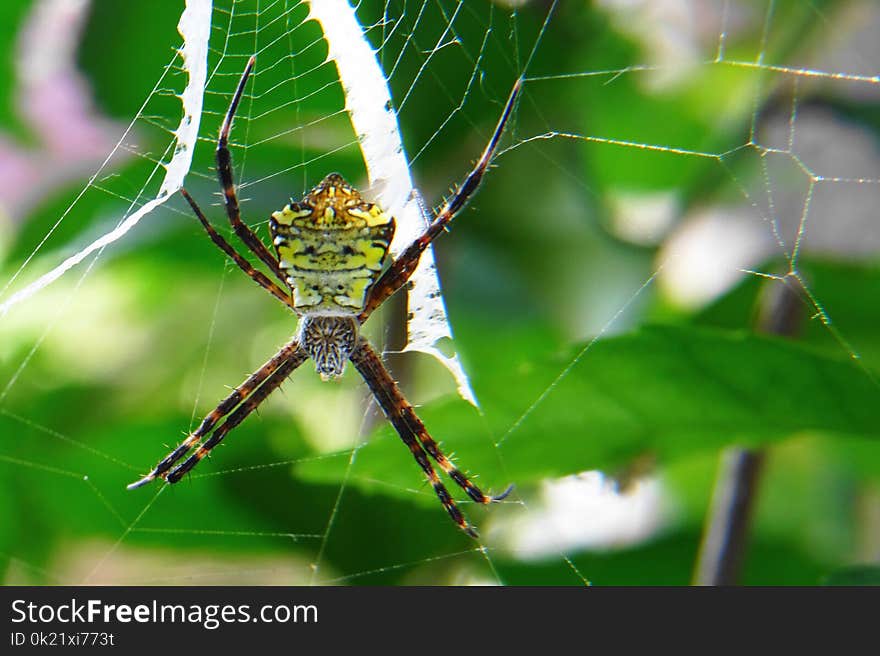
x=332, y=251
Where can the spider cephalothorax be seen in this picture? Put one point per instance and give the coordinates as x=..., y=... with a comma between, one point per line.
x=332, y=251
x=329, y=339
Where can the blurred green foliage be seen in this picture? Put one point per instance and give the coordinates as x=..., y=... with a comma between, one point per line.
x=101, y=375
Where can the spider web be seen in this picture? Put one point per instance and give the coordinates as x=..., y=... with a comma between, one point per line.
x=799, y=181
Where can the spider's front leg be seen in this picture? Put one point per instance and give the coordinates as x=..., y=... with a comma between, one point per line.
x=414, y=434
x=404, y=266
x=257, y=386
x=272, y=383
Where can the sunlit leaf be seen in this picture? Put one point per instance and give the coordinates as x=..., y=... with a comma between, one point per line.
x=664, y=390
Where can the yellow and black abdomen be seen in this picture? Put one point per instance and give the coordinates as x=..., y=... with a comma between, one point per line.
x=332, y=245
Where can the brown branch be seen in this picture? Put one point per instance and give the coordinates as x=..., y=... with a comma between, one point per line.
x=726, y=531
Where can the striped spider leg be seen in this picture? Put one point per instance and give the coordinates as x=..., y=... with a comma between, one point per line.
x=414, y=434
x=404, y=266
x=227, y=182
x=243, y=400
x=332, y=249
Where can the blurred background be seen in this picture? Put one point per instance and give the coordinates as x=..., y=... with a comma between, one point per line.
x=671, y=167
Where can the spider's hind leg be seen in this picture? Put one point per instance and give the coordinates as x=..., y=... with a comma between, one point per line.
x=405, y=265
x=227, y=183
x=255, y=275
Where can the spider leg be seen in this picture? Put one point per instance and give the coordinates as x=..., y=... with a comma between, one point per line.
x=414, y=434
x=404, y=266
x=273, y=382
x=227, y=181
x=289, y=354
x=243, y=264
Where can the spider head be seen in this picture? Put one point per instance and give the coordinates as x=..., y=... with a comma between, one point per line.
x=329, y=339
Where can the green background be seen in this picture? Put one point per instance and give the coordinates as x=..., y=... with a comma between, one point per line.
x=103, y=374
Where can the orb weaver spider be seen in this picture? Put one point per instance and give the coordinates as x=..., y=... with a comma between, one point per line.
x=332, y=248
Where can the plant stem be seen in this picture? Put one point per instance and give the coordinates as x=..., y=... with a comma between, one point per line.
x=725, y=535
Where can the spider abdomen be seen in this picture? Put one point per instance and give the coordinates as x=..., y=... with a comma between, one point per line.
x=332, y=245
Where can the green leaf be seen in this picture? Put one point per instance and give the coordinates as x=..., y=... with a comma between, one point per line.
x=666, y=560
x=670, y=391
x=839, y=287
x=855, y=575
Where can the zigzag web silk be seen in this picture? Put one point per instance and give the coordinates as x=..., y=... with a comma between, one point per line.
x=386, y=163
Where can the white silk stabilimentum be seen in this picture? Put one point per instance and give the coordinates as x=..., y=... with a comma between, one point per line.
x=195, y=28
x=368, y=102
